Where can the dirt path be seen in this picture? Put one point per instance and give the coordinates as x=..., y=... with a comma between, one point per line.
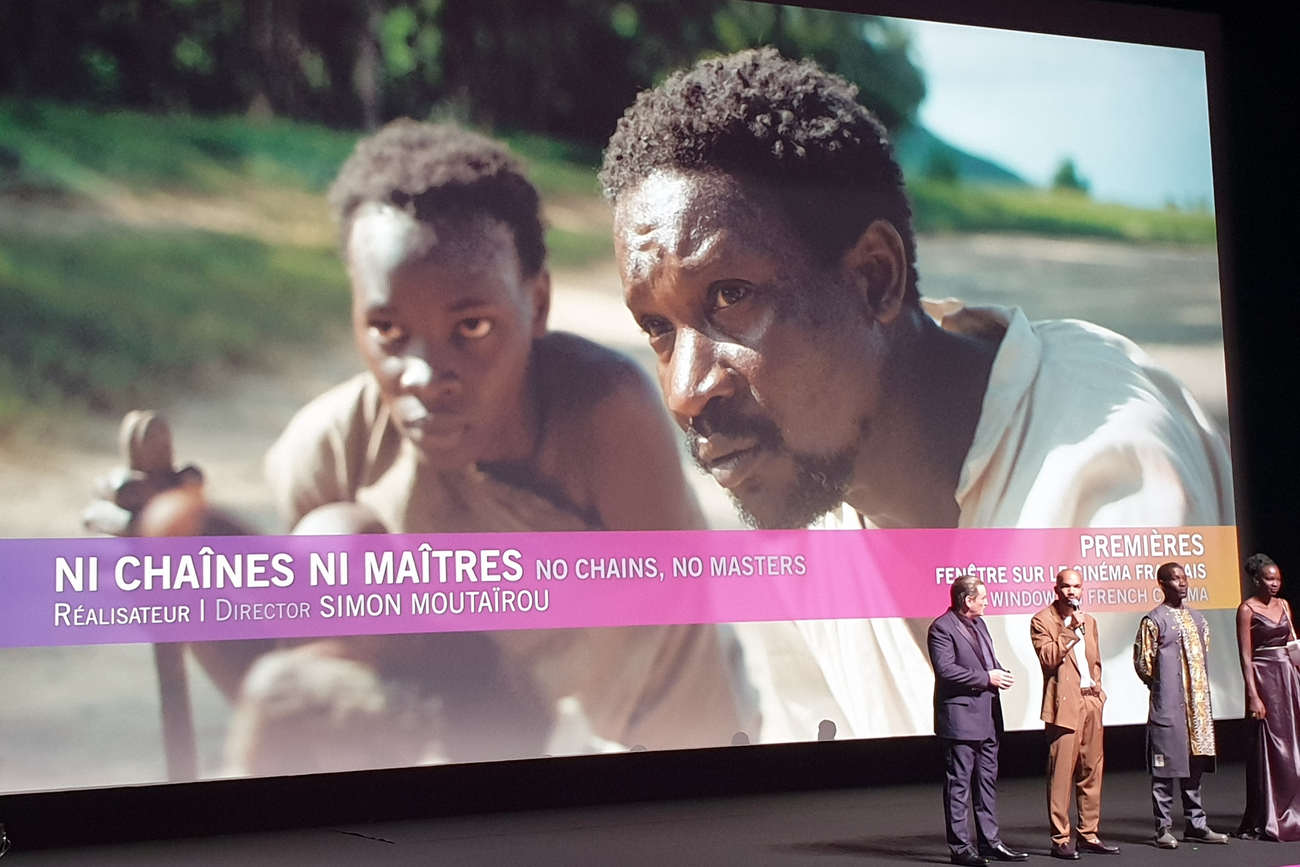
x=1163, y=297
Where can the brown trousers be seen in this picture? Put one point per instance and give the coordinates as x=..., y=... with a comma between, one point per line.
x=1074, y=765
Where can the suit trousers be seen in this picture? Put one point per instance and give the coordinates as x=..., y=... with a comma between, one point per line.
x=970, y=784
x=1162, y=800
x=1074, y=766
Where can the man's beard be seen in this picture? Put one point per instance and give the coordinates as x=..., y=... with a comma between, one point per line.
x=820, y=481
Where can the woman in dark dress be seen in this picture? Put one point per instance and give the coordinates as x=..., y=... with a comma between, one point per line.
x=1264, y=626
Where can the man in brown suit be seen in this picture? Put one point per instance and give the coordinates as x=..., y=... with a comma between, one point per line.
x=1065, y=640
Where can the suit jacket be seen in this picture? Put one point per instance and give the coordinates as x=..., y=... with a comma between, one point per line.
x=1054, y=644
x=966, y=705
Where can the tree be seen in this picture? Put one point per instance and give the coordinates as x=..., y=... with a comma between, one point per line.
x=561, y=67
x=869, y=51
x=942, y=167
x=1067, y=178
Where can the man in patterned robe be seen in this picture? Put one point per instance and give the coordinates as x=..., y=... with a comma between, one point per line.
x=1170, y=655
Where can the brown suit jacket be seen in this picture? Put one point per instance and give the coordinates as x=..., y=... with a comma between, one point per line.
x=1054, y=644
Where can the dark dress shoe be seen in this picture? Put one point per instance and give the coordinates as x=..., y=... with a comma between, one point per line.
x=969, y=858
x=1097, y=847
x=1065, y=852
x=1000, y=852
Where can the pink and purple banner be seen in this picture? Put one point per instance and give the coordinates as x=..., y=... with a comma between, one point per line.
x=124, y=591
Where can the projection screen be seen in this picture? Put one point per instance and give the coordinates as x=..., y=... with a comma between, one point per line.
x=593, y=589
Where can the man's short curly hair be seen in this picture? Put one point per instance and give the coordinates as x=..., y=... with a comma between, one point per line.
x=794, y=127
x=1255, y=565
x=437, y=171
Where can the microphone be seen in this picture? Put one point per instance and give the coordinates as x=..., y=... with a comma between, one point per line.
x=1074, y=603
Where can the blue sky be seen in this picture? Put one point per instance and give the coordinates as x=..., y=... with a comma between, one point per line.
x=1133, y=117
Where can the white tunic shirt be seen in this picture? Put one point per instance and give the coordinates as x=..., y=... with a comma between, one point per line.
x=1078, y=428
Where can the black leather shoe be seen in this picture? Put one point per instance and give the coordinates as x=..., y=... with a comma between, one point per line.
x=969, y=858
x=1097, y=847
x=1000, y=852
x=1065, y=852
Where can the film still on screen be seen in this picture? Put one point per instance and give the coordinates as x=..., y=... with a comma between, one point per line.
x=650, y=409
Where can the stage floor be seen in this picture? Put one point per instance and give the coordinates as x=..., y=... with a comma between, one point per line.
x=887, y=825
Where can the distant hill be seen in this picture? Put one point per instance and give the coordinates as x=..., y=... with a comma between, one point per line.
x=921, y=153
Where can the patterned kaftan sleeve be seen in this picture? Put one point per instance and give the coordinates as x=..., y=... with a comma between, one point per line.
x=1144, y=650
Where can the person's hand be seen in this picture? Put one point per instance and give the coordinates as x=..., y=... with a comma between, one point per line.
x=1255, y=708
x=1001, y=679
x=147, y=497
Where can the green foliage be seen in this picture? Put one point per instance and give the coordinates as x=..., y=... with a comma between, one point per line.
x=411, y=43
x=193, y=55
x=92, y=320
x=870, y=52
x=946, y=207
x=94, y=308
x=921, y=153
x=1067, y=178
x=95, y=311
x=942, y=167
x=84, y=150
x=566, y=248
x=560, y=67
x=624, y=20
x=557, y=167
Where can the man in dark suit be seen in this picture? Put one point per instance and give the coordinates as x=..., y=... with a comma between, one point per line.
x=1065, y=640
x=968, y=718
